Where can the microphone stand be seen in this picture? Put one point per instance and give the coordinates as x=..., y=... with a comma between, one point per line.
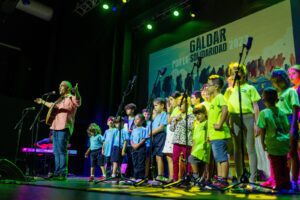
x=149, y=107
x=244, y=180
x=19, y=126
x=185, y=181
x=119, y=176
x=34, y=128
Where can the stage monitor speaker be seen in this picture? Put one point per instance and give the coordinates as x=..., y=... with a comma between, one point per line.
x=9, y=171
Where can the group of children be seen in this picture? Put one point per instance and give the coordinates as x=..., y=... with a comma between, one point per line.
x=203, y=123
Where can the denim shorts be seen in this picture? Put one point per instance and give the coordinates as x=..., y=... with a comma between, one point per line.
x=219, y=149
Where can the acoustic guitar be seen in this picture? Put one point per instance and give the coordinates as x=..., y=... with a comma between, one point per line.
x=51, y=115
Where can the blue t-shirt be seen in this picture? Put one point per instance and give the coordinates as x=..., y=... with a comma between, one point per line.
x=138, y=134
x=108, y=141
x=160, y=119
x=96, y=142
x=124, y=136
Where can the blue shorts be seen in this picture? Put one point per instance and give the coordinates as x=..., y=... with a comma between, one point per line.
x=158, y=144
x=116, y=154
x=219, y=148
x=96, y=158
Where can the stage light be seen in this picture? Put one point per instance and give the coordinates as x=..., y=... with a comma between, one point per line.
x=105, y=6
x=114, y=8
x=193, y=15
x=124, y=1
x=149, y=26
x=176, y=13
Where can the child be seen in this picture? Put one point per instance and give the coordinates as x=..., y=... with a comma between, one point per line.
x=178, y=125
x=119, y=146
x=294, y=75
x=218, y=132
x=274, y=129
x=137, y=141
x=200, y=154
x=289, y=103
x=196, y=98
x=159, y=135
x=129, y=126
x=96, y=141
x=250, y=112
x=147, y=116
x=168, y=146
x=107, y=144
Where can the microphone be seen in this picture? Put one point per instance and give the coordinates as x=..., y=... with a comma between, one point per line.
x=249, y=43
x=29, y=108
x=162, y=71
x=49, y=93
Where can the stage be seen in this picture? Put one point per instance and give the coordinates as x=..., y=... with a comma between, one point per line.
x=79, y=188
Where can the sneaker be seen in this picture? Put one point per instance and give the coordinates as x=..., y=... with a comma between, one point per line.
x=269, y=183
x=161, y=178
x=295, y=186
x=91, y=179
x=220, y=184
x=102, y=178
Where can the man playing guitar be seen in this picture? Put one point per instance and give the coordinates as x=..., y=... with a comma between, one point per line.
x=61, y=123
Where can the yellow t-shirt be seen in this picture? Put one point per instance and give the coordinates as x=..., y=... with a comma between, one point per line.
x=206, y=104
x=201, y=146
x=214, y=116
x=249, y=96
x=287, y=99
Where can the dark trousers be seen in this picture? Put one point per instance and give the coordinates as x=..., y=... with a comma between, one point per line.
x=129, y=169
x=139, y=158
x=281, y=171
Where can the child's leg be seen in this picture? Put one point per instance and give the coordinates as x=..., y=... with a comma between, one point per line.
x=294, y=158
x=103, y=170
x=281, y=172
x=176, y=156
x=147, y=162
x=115, y=167
x=170, y=165
x=160, y=165
x=186, y=151
x=224, y=169
x=92, y=171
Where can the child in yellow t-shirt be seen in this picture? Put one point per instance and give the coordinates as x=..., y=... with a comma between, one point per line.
x=250, y=111
x=218, y=131
x=201, y=148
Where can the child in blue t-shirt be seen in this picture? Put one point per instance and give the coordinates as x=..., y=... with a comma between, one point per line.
x=119, y=144
x=95, y=150
x=159, y=125
x=107, y=144
x=137, y=141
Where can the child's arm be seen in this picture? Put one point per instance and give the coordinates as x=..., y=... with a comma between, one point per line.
x=87, y=152
x=133, y=145
x=103, y=148
x=158, y=129
x=262, y=133
x=256, y=113
x=124, y=148
x=294, y=127
x=222, y=119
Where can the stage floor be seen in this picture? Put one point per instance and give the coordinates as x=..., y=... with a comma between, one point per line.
x=77, y=188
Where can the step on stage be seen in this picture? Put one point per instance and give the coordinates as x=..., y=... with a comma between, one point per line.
x=79, y=188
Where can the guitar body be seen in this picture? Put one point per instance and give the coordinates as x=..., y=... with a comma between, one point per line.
x=51, y=115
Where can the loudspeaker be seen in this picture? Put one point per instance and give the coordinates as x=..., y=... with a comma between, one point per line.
x=10, y=171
